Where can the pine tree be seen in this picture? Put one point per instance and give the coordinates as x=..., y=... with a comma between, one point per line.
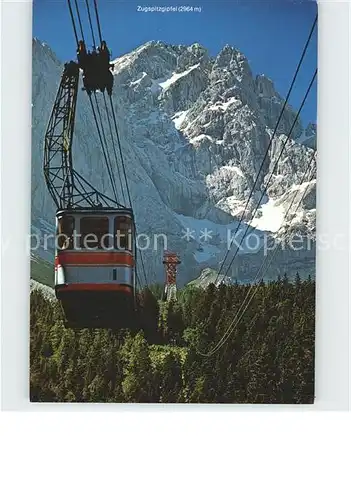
x=138, y=376
x=267, y=354
x=149, y=313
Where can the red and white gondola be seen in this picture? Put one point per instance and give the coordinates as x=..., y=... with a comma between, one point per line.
x=95, y=266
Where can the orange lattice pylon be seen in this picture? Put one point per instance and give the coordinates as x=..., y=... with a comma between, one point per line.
x=171, y=261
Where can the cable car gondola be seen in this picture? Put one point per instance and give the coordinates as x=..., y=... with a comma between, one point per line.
x=94, y=266
x=95, y=254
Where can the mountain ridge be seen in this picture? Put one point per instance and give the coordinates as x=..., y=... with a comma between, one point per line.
x=194, y=130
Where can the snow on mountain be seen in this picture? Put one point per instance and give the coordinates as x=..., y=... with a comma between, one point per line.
x=194, y=131
x=270, y=217
x=209, y=276
x=210, y=235
x=167, y=83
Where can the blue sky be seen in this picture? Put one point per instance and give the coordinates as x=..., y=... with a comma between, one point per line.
x=271, y=33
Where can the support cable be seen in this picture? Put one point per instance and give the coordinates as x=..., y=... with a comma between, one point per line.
x=90, y=22
x=309, y=172
x=109, y=168
x=101, y=139
x=114, y=149
x=73, y=21
x=98, y=20
x=79, y=20
x=271, y=140
x=272, y=173
x=126, y=182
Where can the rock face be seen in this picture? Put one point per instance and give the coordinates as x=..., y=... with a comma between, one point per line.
x=209, y=276
x=194, y=132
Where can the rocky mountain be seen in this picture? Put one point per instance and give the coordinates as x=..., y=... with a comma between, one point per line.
x=208, y=276
x=194, y=131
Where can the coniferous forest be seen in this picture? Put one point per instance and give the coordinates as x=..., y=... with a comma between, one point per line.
x=268, y=357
